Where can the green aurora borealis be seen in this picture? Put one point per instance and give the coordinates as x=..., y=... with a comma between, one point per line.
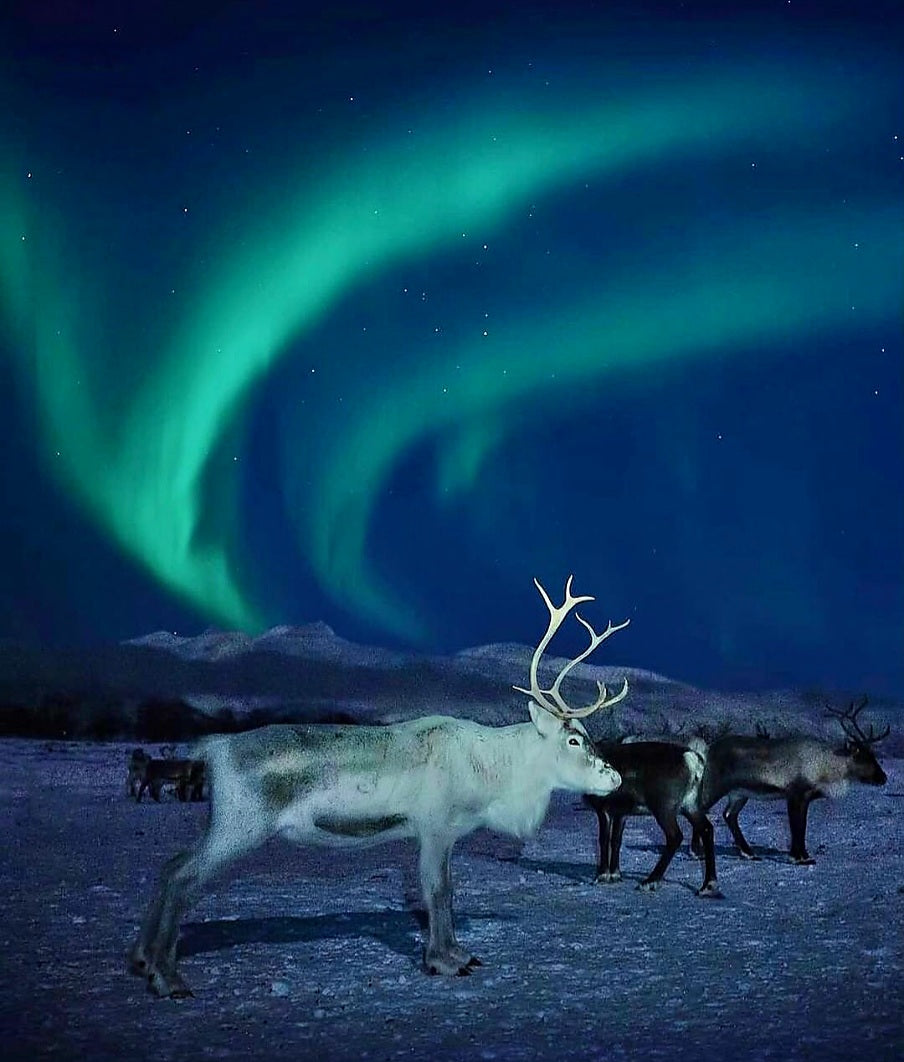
x=147, y=349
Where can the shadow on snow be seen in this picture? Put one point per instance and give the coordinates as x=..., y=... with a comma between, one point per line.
x=400, y=931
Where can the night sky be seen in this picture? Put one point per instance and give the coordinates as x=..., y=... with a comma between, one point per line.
x=370, y=318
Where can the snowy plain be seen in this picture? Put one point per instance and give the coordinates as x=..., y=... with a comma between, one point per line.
x=309, y=953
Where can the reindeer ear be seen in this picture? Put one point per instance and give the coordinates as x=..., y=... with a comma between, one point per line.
x=544, y=721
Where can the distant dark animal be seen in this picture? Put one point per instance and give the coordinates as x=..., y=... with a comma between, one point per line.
x=138, y=759
x=432, y=779
x=659, y=779
x=797, y=768
x=187, y=777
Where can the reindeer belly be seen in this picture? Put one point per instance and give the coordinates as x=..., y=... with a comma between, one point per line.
x=347, y=815
x=759, y=792
x=360, y=827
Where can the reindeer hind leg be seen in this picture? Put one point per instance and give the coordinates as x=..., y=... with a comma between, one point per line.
x=704, y=830
x=182, y=881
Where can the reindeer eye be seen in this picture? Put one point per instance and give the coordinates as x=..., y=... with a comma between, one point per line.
x=574, y=741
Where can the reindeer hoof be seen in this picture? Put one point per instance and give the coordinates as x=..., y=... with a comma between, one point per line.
x=434, y=968
x=649, y=886
x=168, y=986
x=461, y=965
x=137, y=962
x=607, y=877
x=803, y=861
x=751, y=857
x=710, y=891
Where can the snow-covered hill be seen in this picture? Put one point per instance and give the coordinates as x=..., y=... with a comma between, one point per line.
x=310, y=672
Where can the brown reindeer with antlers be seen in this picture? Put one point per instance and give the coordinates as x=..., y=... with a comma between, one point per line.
x=798, y=769
x=433, y=779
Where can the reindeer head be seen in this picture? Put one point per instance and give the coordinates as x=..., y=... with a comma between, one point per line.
x=858, y=747
x=574, y=760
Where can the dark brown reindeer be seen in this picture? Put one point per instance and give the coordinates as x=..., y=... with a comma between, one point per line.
x=138, y=760
x=145, y=773
x=797, y=768
x=659, y=779
x=432, y=779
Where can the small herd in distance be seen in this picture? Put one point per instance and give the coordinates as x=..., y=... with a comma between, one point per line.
x=435, y=779
x=147, y=774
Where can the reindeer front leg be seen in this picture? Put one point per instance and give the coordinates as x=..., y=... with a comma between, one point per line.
x=798, y=806
x=442, y=954
x=730, y=813
x=668, y=822
x=611, y=828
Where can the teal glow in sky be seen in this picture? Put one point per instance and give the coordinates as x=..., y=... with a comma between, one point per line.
x=289, y=350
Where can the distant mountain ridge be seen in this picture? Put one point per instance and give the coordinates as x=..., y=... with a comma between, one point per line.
x=317, y=640
x=311, y=673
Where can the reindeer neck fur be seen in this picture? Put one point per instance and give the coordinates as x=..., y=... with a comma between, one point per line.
x=522, y=764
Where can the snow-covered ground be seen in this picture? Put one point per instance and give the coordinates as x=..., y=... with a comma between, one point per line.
x=314, y=953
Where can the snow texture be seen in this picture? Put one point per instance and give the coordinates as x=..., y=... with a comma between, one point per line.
x=308, y=953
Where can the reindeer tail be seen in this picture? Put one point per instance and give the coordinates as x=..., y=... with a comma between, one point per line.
x=695, y=759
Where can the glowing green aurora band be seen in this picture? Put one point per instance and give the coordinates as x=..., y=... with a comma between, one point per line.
x=144, y=454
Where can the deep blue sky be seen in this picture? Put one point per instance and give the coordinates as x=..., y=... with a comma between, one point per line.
x=371, y=317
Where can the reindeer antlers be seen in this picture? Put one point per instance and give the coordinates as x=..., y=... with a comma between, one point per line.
x=551, y=699
x=847, y=717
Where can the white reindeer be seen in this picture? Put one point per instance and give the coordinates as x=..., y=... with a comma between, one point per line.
x=434, y=779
